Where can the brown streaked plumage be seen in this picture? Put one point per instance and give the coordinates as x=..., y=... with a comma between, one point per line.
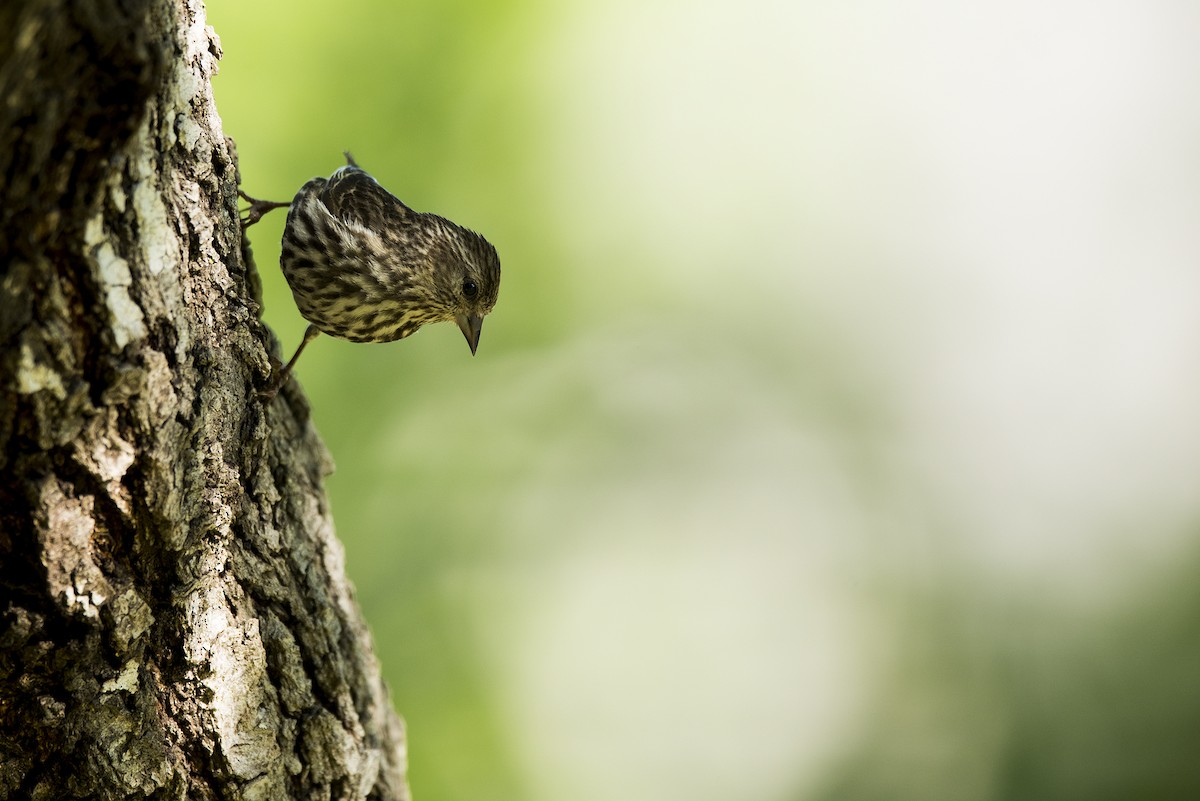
x=365, y=267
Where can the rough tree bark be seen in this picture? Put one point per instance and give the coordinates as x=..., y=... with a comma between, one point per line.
x=174, y=617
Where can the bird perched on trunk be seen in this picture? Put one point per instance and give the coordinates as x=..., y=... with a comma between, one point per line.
x=365, y=267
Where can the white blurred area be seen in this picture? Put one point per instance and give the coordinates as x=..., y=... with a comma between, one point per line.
x=890, y=316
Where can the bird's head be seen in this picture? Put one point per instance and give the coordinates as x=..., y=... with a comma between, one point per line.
x=466, y=278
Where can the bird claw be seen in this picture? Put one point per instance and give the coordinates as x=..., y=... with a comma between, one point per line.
x=278, y=379
x=258, y=208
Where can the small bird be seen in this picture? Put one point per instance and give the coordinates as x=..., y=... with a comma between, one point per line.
x=365, y=267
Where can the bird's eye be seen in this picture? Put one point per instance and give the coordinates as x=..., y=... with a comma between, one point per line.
x=470, y=289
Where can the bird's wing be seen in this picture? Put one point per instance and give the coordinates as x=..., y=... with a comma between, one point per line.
x=353, y=196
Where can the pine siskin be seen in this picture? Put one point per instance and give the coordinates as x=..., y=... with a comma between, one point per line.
x=365, y=267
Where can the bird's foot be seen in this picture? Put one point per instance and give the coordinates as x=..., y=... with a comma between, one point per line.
x=258, y=208
x=279, y=377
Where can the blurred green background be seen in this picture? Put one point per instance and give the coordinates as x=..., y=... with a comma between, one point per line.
x=835, y=435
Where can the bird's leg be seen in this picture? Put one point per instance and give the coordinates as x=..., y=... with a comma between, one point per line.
x=258, y=208
x=281, y=377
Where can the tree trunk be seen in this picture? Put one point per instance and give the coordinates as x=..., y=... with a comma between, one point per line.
x=174, y=617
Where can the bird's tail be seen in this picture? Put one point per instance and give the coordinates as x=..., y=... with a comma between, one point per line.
x=350, y=159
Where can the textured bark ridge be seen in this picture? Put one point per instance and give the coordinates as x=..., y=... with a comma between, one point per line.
x=174, y=617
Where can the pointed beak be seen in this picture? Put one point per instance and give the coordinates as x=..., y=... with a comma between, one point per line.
x=470, y=325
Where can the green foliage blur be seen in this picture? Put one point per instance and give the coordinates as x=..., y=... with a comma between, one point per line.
x=834, y=436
